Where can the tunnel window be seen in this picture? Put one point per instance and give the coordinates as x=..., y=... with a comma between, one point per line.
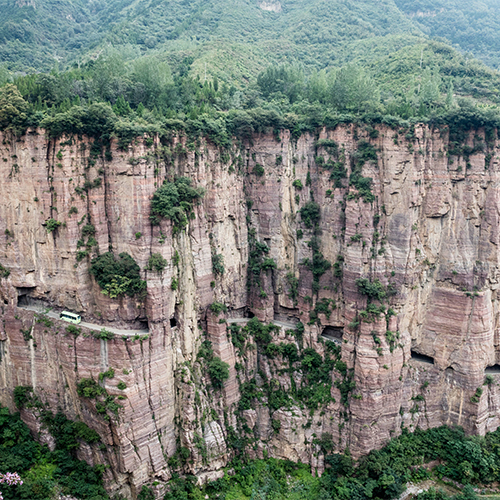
x=421, y=357
x=173, y=322
x=24, y=295
x=492, y=369
x=333, y=333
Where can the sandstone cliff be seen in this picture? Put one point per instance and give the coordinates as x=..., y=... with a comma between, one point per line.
x=424, y=237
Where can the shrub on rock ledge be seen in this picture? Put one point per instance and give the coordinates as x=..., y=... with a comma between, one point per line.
x=117, y=276
x=175, y=201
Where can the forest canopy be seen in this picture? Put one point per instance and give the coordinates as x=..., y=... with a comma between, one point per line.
x=112, y=97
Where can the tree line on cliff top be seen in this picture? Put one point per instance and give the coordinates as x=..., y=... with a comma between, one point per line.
x=110, y=97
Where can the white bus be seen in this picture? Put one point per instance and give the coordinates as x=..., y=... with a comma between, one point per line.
x=70, y=317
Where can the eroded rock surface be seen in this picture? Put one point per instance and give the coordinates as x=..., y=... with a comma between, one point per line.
x=429, y=234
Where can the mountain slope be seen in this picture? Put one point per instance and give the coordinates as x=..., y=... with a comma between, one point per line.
x=472, y=26
x=296, y=30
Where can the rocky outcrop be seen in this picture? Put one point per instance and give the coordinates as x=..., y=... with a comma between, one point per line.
x=423, y=235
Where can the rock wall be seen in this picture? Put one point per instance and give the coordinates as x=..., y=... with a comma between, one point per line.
x=427, y=231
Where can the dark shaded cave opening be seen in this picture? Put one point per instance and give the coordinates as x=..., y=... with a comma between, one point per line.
x=24, y=296
x=333, y=333
x=492, y=369
x=421, y=357
x=173, y=322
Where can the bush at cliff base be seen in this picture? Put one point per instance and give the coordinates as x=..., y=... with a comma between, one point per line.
x=45, y=473
x=383, y=474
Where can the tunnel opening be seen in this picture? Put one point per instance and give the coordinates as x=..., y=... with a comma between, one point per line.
x=421, y=357
x=173, y=322
x=333, y=333
x=249, y=314
x=25, y=296
x=144, y=324
x=492, y=369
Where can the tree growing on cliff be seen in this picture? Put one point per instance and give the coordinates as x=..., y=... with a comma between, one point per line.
x=157, y=263
x=218, y=371
x=175, y=201
x=117, y=276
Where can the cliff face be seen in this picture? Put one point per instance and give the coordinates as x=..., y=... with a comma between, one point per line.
x=422, y=241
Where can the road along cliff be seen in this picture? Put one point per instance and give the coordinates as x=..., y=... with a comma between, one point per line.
x=315, y=293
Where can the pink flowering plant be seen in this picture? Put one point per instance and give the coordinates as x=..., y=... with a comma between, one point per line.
x=10, y=478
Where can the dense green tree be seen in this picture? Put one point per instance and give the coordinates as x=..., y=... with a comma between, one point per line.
x=13, y=109
x=117, y=276
x=175, y=201
x=354, y=90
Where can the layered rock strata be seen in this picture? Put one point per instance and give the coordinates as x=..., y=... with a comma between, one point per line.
x=426, y=230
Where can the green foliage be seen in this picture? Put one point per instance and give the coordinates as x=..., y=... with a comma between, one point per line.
x=374, y=290
x=44, y=320
x=81, y=254
x=324, y=306
x=22, y=395
x=310, y=214
x=268, y=264
x=146, y=493
x=217, y=308
x=297, y=184
x=73, y=330
x=261, y=333
x=316, y=371
x=52, y=225
x=354, y=90
x=462, y=23
x=256, y=260
x=293, y=284
x=4, y=272
x=88, y=230
x=318, y=265
x=121, y=385
x=175, y=201
x=117, y=276
x=88, y=388
x=217, y=264
x=104, y=403
x=477, y=395
x=157, y=263
x=109, y=373
x=365, y=152
x=13, y=109
x=103, y=334
x=47, y=474
x=176, y=258
x=259, y=170
x=131, y=91
x=174, y=285
x=218, y=371
x=68, y=434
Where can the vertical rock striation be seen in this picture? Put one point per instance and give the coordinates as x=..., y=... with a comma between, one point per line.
x=420, y=239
